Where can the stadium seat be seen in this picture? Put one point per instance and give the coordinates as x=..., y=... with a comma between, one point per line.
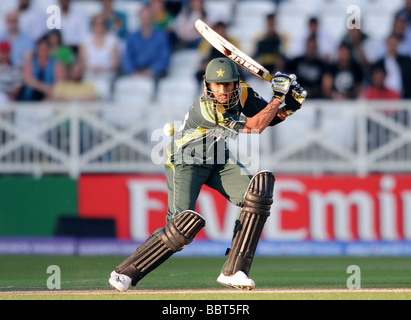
x=91, y=8
x=389, y=7
x=41, y=3
x=335, y=22
x=258, y=8
x=377, y=23
x=177, y=92
x=299, y=8
x=184, y=63
x=131, y=9
x=133, y=90
x=344, y=4
x=291, y=25
x=102, y=87
x=249, y=22
x=246, y=31
x=311, y=7
x=220, y=10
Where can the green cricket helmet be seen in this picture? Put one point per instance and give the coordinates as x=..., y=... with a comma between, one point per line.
x=220, y=70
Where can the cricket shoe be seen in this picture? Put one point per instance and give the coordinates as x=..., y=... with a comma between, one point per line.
x=238, y=280
x=119, y=281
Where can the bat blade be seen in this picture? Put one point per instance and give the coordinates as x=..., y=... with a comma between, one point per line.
x=231, y=51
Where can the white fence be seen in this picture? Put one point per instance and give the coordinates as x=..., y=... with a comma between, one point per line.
x=325, y=136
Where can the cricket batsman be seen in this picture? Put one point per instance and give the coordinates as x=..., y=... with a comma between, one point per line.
x=198, y=156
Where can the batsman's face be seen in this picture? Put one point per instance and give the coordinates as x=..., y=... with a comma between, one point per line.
x=222, y=91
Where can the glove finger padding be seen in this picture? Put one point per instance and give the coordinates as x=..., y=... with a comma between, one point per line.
x=281, y=84
x=294, y=99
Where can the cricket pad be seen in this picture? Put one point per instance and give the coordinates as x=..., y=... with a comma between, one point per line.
x=174, y=237
x=254, y=213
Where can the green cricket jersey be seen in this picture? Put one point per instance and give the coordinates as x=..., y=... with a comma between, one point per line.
x=201, y=137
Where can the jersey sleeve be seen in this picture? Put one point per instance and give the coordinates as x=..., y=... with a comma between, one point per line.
x=253, y=103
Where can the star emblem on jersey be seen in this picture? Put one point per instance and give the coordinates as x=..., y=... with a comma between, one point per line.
x=220, y=73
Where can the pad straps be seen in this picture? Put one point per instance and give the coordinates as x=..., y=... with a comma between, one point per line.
x=248, y=229
x=174, y=237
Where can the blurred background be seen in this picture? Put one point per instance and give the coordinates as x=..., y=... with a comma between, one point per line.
x=86, y=87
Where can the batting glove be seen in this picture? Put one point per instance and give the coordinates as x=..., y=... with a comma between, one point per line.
x=294, y=99
x=281, y=85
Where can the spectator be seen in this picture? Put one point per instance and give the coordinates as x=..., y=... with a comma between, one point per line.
x=74, y=88
x=361, y=47
x=10, y=76
x=309, y=68
x=58, y=50
x=116, y=21
x=40, y=73
x=343, y=78
x=162, y=18
x=405, y=13
x=100, y=54
x=174, y=6
x=74, y=25
x=147, y=51
x=269, y=47
x=404, y=38
x=398, y=68
x=325, y=43
x=32, y=19
x=187, y=35
x=21, y=43
x=379, y=134
x=377, y=89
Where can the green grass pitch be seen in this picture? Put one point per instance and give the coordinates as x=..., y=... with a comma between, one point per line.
x=184, y=278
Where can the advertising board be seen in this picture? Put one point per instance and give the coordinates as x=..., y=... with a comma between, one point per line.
x=326, y=208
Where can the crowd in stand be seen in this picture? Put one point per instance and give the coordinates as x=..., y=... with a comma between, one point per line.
x=38, y=64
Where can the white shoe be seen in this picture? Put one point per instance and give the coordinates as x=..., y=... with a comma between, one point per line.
x=119, y=281
x=238, y=280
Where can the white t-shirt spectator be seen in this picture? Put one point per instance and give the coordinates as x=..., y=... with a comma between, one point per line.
x=99, y=58
x=33, y=21
x=74, y=27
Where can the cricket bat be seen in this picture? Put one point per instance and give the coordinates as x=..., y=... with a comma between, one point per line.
x=231, y=51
